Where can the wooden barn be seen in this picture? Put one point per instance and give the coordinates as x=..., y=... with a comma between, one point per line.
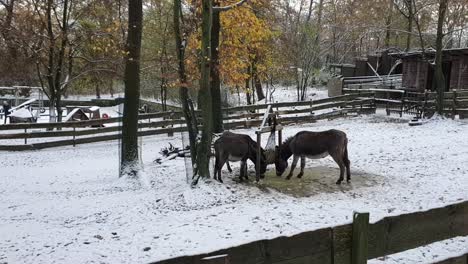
x=418, y=72
x=381, y=62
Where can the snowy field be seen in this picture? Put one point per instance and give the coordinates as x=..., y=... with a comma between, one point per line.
x=67, y=205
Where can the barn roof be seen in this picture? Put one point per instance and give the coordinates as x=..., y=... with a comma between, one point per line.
x=431, y=52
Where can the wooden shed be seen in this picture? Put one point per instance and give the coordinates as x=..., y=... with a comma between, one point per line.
x=458, y=64
x=418, y=69
x=381, y=62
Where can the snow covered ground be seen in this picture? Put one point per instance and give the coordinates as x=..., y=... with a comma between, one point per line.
x=67, y=205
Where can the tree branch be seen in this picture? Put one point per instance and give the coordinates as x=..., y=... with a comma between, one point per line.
x=229, y=7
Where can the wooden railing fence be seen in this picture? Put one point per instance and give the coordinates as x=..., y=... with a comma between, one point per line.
x=347, y=244
x=418, y=104
x=81, y=132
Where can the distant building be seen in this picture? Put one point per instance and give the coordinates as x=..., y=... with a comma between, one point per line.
x=380, y=62
x=418, y=69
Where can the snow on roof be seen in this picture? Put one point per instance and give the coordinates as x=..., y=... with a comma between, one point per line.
x=72, y=113
x=94, y=108
x=22, y=113
x=28, y=102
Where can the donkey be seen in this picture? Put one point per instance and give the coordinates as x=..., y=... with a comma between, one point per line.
x=314, y=145
x=236, y=147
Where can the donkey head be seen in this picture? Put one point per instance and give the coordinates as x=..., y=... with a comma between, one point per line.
x=280, y=163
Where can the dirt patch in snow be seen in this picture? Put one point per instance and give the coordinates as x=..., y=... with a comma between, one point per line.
x=316, y=180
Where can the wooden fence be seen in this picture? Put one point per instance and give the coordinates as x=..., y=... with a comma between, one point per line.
x=81, y=132
x=372, y=82
x=418, y=104
x=347, y=244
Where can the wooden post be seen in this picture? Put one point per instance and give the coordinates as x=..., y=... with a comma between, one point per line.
x=402, y=106
x=388, y=98
x=360, y=238
x=74, y=135
x=259, y=153
x=25, y=135
x=171, y=133
x=454, y=106
x=280, y=137
x=423, y=114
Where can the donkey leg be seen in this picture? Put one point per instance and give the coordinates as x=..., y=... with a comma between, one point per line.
x=293, y=166
x=242, y=170
x=340, y=162
x=303, y=159
x=220, y=165
x=246, y=171
x=228, y=167
x=216, y=167
x=347, y=163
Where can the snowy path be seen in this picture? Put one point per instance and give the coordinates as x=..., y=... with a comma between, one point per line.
x=66, y=205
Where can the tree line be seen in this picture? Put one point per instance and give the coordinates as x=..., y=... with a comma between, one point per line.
x=189, y=51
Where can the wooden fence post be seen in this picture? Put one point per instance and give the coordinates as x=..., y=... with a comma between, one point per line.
x=387, y=105
x=423, y=114
x=74, y=135
x=171, y=132
x=454, y=106
x=259, y=153
x=360, y=238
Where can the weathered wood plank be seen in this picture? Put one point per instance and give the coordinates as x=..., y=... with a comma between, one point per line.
x=342, y=244
x=399, y=233
x=360, y=238
x=455, y=260
x=314, y=246
x=333, y=245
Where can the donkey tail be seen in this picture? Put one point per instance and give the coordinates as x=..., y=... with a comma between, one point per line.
x=345, y=152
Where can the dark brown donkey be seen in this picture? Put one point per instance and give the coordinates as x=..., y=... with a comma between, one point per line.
x=314, y=145
x=236, y=147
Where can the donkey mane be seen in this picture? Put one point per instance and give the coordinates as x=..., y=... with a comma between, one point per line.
x=288, y=140
x=285, y=150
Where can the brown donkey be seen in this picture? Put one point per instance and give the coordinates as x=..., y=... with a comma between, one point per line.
x=236, y=147
x=314, y=145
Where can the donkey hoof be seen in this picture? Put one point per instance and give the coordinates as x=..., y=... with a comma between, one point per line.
x=300, y=175
x=288, y=178
x=348, y=180
x=339, y=181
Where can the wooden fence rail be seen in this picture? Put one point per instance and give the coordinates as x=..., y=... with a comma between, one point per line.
x=334, y=245
x=418, y=104
x=236, y=117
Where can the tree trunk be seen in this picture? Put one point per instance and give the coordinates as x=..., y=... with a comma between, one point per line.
x=98, y=91
x=215, y=79
x=388, y=23
x=163, y=94
x=129, y=154
x=257, y=82
x=247, y=91
x=58, y=106
x=317, y=63
x=409, y=4
x=258, y=88
x=183, y=91
x=111, y=88
x=204, y=94
x=439, y=74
